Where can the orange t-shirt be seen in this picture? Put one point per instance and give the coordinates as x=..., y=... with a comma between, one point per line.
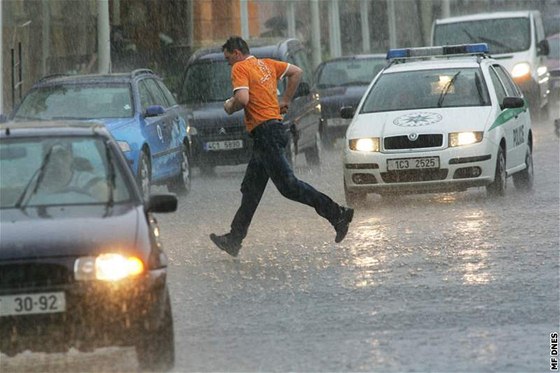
x=260, y=77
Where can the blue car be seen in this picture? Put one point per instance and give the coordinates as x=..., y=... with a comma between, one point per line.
x=139, y=111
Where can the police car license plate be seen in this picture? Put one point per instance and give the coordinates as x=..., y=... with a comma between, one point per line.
x=224, y=145
x=28, y=304
x=412, y=163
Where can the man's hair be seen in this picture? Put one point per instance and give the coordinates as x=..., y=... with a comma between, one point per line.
x=236, y=42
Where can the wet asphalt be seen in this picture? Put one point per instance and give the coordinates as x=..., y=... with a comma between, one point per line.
x=455, y=282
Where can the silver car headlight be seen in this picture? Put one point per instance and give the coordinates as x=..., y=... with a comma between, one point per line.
x=107, y=267
x=464, y=138
x=365, y=145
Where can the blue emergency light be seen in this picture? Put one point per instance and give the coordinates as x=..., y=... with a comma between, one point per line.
x=446, y=50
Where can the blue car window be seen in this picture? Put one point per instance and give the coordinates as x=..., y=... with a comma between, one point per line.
x=72, y=101
x=168, y=95
x=146, y=98
x=157, y=94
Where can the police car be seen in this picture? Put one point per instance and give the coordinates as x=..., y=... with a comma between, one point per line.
x=438, y=119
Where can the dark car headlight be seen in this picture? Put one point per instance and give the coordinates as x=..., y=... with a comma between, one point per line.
x=107, y=267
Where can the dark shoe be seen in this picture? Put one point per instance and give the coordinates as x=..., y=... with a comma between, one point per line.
x=341, y=226
x=227, y=243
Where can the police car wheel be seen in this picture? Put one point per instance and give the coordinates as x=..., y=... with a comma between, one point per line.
x=523, y=180
x=498, y=186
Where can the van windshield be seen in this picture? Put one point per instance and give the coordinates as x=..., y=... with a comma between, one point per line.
x=206, y=82
x=503, y=35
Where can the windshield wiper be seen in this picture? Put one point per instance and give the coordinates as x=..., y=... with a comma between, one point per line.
x=446, y=89
x=37, y=177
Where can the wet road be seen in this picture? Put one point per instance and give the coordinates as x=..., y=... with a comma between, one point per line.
x=450, y=282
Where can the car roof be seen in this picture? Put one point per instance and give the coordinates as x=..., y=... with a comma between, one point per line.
x=484, y=16
x=261, y=48
x=93, y=78
x=53, y=128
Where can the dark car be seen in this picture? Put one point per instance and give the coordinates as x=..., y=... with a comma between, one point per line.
x=342, y=82
x=81, y=261
x=138, y=110
x=221, y=139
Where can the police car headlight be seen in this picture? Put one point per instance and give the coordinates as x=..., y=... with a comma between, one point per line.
x=365, y=145
x=464, y=138
x=125, y=147
x=520, y=70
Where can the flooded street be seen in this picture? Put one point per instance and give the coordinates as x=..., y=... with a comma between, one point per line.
x=438, y=282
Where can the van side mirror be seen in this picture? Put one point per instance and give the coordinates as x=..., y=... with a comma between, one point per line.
x=347, y=112
x=512, y=102
x=543, y=49
x=154, y=111
x=303, y=89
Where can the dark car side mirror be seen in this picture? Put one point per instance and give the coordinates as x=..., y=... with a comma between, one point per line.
x=154, y=111
x=303, y=89
x=162, y=202
x=512, y=102
x=543, y=48
x=347, y=112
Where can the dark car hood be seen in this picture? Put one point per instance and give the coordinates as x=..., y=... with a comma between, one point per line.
x=332, y=99
x=67, y=231
x=213, y=114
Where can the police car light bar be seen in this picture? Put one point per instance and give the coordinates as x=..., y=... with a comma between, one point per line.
x=447, y=50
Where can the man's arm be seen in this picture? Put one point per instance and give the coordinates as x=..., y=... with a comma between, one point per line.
x=237, y=102
x=293, y=75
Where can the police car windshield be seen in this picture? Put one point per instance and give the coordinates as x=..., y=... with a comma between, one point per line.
x=207, y=82
x=77, y=101
x=425, y=89
x=503, y=35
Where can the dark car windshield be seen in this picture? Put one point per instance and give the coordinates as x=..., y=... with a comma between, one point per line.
x=349, y=72
x=207, y=82
x=503, y=35
x=59, y=171
x=73, y=101
x=426, y=89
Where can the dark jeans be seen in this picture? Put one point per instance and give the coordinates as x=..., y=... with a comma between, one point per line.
x=269, y=161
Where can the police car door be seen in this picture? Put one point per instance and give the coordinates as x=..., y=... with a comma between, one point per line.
x=514, y=121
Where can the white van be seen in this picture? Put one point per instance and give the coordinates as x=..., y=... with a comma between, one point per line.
x=516, y=39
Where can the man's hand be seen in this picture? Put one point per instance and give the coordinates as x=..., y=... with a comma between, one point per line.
x=228, y=106
x=237, y=102
x=284, y=106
